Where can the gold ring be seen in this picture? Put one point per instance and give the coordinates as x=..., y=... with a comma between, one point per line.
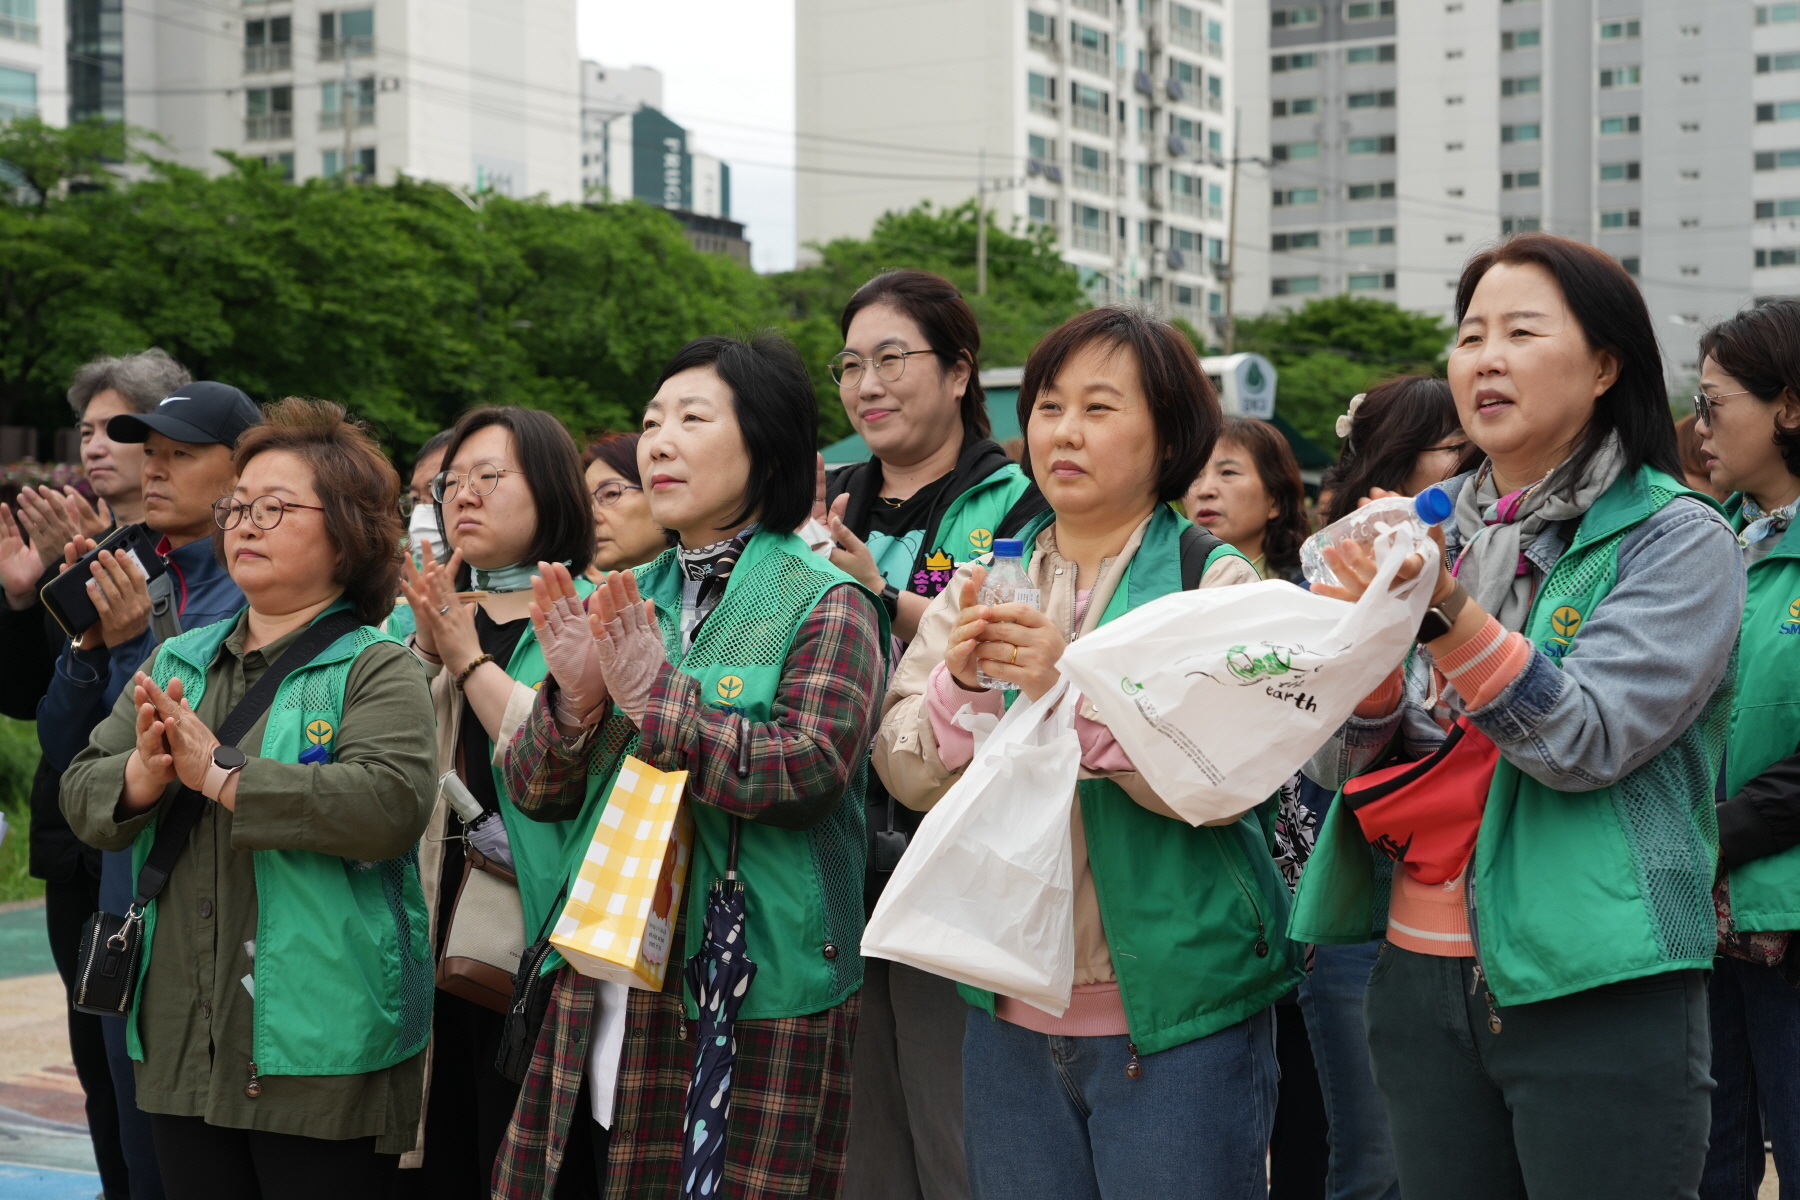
x=1015, y=657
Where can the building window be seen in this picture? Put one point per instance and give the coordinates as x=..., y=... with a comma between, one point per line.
x=18, y=93
x=361, y=102
x=1090, y=108
x=1630, y=264
x=1512, y=180
x=349, y=33
x=1770, y=209
x=268, y=114
x=1294, y=285
x=1777, y=160
x=1040, y=211
x=1040, y=148
x=268, y=44
x=1380, y=235
x=1295, y=106
x=1521, y=133
x=1521, y=39
x=1293, y=18
x=1090, y=48
x=1520, y=225
x=1765, y=63
x=1786, y=110
x=1090, y=228
x=1366, y=281
x=1295, y=197
x=1382, y=99
x=1370, y=54
x=1293, y=150
x=1522, y=85
x=1616, y=126
x=362, y=164
x=1370, y=145
x=1777, y=14
x=1308, y=240
x=1040, y=29
x=1620, y=77
x=1368, y=10
x=1615, y=30
x=1294, y=62
x=281, y=164
x=1215, y=303
x=1619, y=218
x=1383, y=190
x=18, y=21
x=1786, y=257
x=1617, y=172
x=1040, y=93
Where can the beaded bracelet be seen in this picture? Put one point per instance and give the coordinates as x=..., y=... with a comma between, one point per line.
x=463, y=676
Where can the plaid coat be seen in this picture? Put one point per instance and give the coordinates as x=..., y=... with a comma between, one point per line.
x=790, y=1110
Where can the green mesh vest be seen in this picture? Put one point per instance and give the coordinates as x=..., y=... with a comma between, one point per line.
x=326, y=1004
x=803, y=888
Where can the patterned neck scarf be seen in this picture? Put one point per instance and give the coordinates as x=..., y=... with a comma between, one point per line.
x=516, y=578
x=1764, y=529
x=705, y=570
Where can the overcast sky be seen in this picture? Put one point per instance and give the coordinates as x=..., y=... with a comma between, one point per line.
x=728, y=76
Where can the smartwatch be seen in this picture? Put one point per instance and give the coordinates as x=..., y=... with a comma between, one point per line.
x=890, y=600
x=1440, y=617
x=226, y=762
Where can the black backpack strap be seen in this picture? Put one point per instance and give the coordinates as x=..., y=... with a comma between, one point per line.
x=1030, y=504
x=1197, y=546
x=185, y=810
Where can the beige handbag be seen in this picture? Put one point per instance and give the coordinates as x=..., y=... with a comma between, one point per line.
x=487, y=935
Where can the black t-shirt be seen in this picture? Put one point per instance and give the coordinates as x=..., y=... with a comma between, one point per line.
x=896, y=532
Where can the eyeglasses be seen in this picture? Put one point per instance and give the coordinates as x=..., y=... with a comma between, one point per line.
x=1704, y=404
x=265, y=511
x=890, y=364
x=482, y=479
x=608, y=493
x=1447, y=448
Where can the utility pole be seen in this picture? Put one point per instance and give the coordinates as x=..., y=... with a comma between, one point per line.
x=344, y=100
x=1230, y=333
x=981, y=227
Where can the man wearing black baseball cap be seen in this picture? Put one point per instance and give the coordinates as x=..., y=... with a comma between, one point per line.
x=203, y=413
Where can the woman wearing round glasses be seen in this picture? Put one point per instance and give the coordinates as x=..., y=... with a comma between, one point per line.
x=279, y=1022
x=1749, y=422
x=510, y=494
x=625, y=534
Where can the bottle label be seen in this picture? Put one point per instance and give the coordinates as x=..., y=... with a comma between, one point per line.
x=1031, y=596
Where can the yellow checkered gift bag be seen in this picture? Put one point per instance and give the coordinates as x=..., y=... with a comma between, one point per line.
x=619, y=922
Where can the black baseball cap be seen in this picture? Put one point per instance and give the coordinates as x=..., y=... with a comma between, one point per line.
x=201, y=414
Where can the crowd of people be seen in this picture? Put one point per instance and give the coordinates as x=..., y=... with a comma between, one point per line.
x=346, y=721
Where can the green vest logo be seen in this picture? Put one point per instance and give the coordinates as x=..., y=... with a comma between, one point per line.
x=319, y=732
x=730, y=687
x=981, y=540
x=1792, y=624
x=1564, y=622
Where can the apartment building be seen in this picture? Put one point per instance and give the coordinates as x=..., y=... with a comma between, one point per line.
x=1399, y=136
x=1108, y=120
x=33, y=70
x=476, y=93
x=608, y=93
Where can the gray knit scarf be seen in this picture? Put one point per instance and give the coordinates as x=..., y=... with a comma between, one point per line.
x=1497, y=530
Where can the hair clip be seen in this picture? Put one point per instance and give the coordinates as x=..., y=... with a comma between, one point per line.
x=1342, y=428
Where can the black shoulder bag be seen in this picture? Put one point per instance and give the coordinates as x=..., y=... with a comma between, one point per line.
x=112, y=946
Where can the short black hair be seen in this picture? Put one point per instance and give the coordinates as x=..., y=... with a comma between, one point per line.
x=433, y=444
x=778, y=412
x=1760, y=348
x=1610, y=309
x=551, y=467
x=1183, y=405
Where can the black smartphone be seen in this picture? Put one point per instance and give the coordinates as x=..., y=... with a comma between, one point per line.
x=67, y=597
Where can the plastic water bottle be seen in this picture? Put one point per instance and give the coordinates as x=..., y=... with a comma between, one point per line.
x=1007, y=583
x=1365, y=524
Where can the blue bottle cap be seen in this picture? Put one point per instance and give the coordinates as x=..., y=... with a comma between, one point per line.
x=1009, y=548
x=1433, y=505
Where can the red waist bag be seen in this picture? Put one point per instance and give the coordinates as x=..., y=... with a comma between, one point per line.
x=1424, y=815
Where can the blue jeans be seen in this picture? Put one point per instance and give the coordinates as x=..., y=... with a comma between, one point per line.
x=1058, y=1117
x=1756, y=1060
x=1362, y=1149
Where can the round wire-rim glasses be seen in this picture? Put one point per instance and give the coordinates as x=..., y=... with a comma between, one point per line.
x=482, y=479
x=889, y=363
x=265, y=511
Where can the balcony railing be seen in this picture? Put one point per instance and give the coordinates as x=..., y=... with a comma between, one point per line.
x=1093, y=181
x=11, y=112
x=1187, y=206
x=333, y=118
x=278, y=56
x=1090, y=239
x=269, y=128
x=1102, y=7
x=17, y=30
x=1043, y=45
x=1089, y=60
x=1187, y=39
x=336, y=49
x=1087, y=118
x=1042, y=106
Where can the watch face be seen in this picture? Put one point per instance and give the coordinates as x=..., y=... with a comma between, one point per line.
x=229, y=758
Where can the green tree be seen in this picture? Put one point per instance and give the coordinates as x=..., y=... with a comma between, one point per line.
x=1332, y=348
x=1030, y=289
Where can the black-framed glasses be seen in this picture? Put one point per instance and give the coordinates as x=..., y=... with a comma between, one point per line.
x=608, y=493
x=889, y=364
x=1704, y=404
x=265, y=511
x=482, y=479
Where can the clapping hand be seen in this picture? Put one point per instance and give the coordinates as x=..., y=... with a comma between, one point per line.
x=570, y=651
x=629, y=642
x=120, y=592
x=445, y=627
x=53, y=519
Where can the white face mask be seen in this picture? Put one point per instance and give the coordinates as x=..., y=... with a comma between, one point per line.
x=424, y=527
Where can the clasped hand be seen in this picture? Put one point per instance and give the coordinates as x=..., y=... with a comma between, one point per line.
x=173, y=745
x=1011, y=642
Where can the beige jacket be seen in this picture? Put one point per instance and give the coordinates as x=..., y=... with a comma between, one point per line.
x=906, y=754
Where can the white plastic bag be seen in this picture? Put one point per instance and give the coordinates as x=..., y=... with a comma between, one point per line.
x=985, y=894
x=1219, y=695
